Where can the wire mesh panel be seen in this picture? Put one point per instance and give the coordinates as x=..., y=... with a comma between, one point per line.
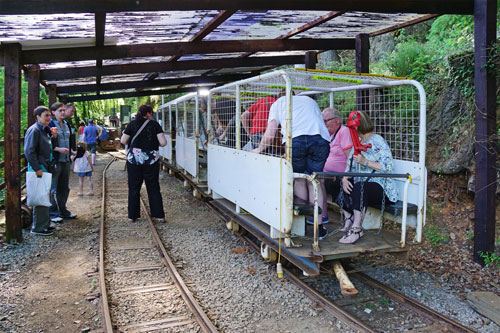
x=166, y=120
x=181, y=126
x=223, y=114
x=190, y=109
x=394, y=112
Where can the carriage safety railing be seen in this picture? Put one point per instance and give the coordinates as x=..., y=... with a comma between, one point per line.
x=397, y=107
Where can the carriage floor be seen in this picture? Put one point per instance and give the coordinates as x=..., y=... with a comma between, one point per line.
x=330, y=249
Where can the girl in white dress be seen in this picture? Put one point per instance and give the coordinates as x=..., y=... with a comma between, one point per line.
x=83, y=167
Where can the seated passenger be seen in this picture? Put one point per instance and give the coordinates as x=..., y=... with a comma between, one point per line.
x=340, y=144
x=254, y=119
x=377, y=159
x=310, y=146
x=224, y=113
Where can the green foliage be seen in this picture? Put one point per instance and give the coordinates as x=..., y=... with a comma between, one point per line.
x=434, y=235
x=470, y=235
x=490, y=258
x=410, y=59
x=384, y=301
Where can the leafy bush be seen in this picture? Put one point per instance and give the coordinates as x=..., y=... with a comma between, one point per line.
x=410, y=59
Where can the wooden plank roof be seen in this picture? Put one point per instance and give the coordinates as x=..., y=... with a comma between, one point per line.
x=115, y=42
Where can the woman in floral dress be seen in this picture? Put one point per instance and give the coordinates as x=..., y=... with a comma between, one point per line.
x=377, y=159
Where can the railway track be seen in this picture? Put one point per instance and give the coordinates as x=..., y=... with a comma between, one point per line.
x=140, y=287
x=352, y=311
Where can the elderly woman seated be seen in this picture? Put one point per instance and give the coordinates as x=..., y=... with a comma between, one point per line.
x=377, y=159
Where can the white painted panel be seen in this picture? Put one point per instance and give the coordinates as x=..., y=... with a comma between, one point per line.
x=252, y=181
x=179, y=150
x=413, y=169
x=169, y=148
x=166, y=152
x=187, y=156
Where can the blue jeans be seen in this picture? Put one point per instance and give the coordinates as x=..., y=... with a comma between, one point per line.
x=309, y=153
x=59, y=190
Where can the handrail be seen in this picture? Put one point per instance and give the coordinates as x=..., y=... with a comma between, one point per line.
x=329, y=175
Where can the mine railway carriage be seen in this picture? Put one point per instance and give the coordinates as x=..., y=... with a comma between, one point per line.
x=257, y=189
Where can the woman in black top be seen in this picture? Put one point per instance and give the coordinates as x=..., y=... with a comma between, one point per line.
x=142, y=162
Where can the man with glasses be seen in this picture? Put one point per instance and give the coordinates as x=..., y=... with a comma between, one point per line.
x=340, y=146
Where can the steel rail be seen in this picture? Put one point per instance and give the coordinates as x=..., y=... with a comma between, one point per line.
x=313, y=294
x=413, y=304
x=331, y=307
x=102, y=282
x=200, y=315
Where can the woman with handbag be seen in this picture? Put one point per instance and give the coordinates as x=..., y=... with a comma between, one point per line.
x=366, y=190
x=38, y=152
x=142, y=162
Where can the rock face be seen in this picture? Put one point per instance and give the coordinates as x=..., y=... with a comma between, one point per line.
x=381, y=47
x=449, y=136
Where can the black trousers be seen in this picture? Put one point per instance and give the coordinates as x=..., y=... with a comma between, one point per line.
x=372, y=193
x=149, y=174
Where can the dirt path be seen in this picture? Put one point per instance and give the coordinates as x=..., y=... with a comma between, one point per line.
x=44, y=281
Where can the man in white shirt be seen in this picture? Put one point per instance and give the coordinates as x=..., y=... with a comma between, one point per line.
x=310, y=142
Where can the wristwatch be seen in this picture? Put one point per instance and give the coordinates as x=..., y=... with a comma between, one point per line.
x=366, y=163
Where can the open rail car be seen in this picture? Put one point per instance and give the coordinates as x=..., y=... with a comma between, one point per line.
x=257, y=189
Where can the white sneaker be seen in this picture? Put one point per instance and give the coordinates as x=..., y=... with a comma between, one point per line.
x=56, y=219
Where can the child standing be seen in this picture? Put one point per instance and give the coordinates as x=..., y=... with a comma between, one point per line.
x=83, y=167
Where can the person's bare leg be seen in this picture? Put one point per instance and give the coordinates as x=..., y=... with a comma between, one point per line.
x=356, y=232
x=93, y=158
x=321, y=197
x=80, y=184
x=300, y=189
x=91, y=186
x=325, y=198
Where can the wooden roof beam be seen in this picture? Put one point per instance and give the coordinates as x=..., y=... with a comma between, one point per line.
x=87, y=88
x=82, y=72
x=403, y=25
x=381, y=6
x=183, y=48
x=100, y=29
x=129, y=94
x=209, y=27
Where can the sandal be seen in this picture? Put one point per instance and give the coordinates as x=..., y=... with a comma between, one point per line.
x=347, y=223
x=80, y=194
x=90, y=194
x=160, y=219
x=352, y=236
x=131, y=220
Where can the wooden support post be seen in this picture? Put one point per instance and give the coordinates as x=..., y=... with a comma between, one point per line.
x=362, y=46
x=52, y=92
x=311, y=58
x=12, y=135
x=32, y=75
x=486, y=140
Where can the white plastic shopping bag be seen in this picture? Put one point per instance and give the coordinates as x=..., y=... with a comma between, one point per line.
x=38, y=189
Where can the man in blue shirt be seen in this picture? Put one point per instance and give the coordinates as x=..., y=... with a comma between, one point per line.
x=59, y=190
x=90, y=134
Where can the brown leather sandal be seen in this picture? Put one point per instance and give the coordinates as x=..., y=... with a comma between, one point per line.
x=352, y=236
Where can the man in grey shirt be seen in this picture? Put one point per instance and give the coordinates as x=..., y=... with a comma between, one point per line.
x=59, y=191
